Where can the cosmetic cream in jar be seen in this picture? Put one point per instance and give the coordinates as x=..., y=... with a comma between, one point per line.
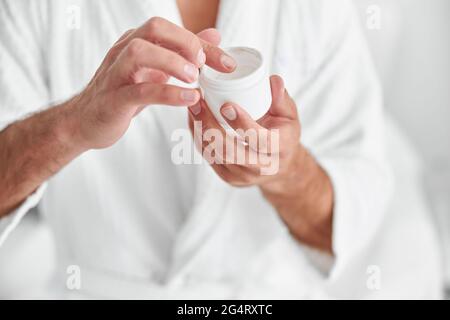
x=248, y=86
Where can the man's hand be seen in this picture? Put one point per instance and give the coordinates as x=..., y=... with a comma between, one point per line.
x=282, y=116
x=300, y=190
x=134, y=74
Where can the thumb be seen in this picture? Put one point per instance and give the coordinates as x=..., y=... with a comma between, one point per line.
x=282, y=103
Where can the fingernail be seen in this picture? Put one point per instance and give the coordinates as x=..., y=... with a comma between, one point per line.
x=196, y=109
x=189, y=96
x=228, y=61
x=201, y=57
x=229, y=113
x=191, y=71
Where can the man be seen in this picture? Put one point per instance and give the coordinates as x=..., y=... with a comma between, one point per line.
x=98, y=161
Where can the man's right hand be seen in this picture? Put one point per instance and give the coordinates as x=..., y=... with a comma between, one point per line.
x=134, y=74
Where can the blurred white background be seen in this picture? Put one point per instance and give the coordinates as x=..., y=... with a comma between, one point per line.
x=412, y=53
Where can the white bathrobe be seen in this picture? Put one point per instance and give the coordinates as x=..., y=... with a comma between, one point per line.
x=139, y=226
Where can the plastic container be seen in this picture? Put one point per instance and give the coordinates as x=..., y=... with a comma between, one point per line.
x=248, y=86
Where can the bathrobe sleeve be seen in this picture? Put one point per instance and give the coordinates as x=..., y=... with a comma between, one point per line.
x=340, y=106
x=23, y=87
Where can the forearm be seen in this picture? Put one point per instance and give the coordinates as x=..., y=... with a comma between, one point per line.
x=34, y=149
x=304, y=200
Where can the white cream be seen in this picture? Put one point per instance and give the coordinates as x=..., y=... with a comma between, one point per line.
x=248, y=86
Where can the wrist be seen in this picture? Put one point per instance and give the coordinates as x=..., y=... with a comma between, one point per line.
x=68, y=127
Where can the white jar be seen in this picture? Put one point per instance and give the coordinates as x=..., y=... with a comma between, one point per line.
x=248, y=86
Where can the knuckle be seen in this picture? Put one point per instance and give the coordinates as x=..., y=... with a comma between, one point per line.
x=114, y=51
x=154, y=25
x=134, y=47
x=127, y=33
x=118, y=46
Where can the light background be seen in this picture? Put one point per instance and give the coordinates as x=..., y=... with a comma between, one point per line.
x=412, y=53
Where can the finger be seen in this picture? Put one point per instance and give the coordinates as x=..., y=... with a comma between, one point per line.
x=196, y=135
x=170, y=36
x=147, y=93
x=234, y=178
x=136, y=56
x=222, y=170
x=117, y=47
x=238, y=176
x=238, y=118
x=112, y=54
x=173, y=37
x=216, y=57
x=231, y=151
x=256, y=136
x=282, y=104
x=201, y=112
x=210, y=35
x=124, y=36
x=224, y=173
x=151, y=76
x=214, y=138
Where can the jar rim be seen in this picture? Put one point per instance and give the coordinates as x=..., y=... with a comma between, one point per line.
x=246, y=81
